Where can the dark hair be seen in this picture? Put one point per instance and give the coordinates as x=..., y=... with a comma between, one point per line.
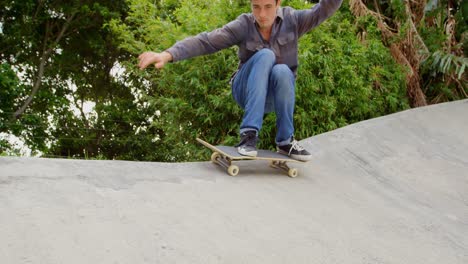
x=276, y=1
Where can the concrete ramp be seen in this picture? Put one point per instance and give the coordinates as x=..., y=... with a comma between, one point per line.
x=388, y=190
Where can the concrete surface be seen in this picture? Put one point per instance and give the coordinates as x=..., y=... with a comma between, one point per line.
x=388, y=190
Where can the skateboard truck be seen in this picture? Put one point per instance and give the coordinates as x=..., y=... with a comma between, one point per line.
x=225, y=155
x=225, y=162
x=292, y=172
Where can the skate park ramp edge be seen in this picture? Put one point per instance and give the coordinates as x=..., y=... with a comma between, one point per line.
x=392, y=189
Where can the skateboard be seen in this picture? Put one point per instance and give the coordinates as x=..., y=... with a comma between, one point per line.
x=224, y=156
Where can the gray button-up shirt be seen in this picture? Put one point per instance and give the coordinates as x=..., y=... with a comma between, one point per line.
x=289, y=26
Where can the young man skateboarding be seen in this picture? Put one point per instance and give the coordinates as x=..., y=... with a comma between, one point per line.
x=265, y=80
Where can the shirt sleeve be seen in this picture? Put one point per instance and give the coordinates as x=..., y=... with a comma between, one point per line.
x=209, y=42
x=309, y=18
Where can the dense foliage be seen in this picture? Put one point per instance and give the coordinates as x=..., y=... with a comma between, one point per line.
x=58, y=59
x=429, y=38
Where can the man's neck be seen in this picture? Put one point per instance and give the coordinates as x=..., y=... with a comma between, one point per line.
x=266, y=33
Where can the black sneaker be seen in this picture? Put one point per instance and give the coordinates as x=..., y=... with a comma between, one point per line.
x=248, y=144
x=295, y=151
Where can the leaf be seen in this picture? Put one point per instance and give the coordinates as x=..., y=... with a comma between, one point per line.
x=462, y=70
x=447, y=64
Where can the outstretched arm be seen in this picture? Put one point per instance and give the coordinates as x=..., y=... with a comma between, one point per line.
x=310, y=18
x=201, y=44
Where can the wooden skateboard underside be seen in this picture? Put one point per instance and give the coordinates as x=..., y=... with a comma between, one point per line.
x=225, y=155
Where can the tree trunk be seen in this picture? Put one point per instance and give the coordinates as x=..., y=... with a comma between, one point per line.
x=45, y=56
x=405, y=52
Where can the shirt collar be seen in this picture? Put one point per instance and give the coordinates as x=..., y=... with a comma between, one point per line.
x=279, y=13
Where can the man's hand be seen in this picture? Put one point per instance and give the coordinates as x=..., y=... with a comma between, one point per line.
x=158, y=59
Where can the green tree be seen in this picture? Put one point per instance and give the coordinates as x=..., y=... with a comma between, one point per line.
x=10, y=91
x=64, y=54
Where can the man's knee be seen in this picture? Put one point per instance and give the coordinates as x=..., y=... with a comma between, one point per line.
x=281, y=71
x=266, y=54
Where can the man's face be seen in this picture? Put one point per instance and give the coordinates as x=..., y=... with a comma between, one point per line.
x=264, y=12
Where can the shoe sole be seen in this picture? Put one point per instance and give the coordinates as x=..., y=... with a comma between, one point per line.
x=301, y=157
x=253, y=153
x=296, y=157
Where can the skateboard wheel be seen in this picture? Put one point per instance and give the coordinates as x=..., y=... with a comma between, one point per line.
x=292, y=173
x=215, y=156
x=233, y=170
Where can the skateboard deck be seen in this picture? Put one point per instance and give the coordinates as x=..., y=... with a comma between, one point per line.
x=226, y=155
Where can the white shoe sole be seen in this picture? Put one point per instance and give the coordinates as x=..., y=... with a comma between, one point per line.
x=301, y=157
x=243, y=152
x=296, y=157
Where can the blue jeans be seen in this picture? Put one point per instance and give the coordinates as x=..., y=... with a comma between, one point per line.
x=262, y=86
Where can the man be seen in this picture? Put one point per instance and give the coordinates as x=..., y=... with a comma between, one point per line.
x=265, y=80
